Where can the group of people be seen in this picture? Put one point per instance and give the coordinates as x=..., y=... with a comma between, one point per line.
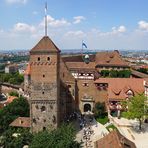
x=85, y=123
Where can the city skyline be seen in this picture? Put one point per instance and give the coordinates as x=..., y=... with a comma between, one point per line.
x=101, y=24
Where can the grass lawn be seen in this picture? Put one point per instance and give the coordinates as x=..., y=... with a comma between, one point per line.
x=111, y=127
x=102, y=120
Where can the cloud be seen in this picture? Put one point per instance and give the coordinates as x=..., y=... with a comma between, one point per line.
x=78, y=19
x=143, y=25
x=77, y=33
x=55, y=22
x=16, y=1
x=120, y=29
x=23, y=27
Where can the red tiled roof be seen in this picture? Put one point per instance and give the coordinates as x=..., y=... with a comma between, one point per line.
x=118, y=87
x=114, y=140
x=21, y=122
x=46, y=45
x=110, y=59
x=10, y=99
x=80, y=65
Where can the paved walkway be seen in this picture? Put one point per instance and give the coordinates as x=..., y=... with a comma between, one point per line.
x=99, y=131
x=140, y=138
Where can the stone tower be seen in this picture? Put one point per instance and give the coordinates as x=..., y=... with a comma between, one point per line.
x=45, y=85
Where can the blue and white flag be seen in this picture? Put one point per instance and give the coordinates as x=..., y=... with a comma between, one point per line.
x=84, y=45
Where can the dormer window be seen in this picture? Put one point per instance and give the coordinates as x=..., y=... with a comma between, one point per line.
x=130, y=93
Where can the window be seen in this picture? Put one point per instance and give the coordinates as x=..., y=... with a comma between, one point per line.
x=39, y=59
x=48, y=58
x=85, y=84
x=43, y=76
x=89, y=74
x=43, y=92
x=43, y=109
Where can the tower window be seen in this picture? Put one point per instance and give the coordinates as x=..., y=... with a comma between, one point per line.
x=39, y=59
x=43, y=109
x=48, y=58
x=43, y=76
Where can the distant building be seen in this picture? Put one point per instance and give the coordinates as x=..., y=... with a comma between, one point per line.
x=12, y=68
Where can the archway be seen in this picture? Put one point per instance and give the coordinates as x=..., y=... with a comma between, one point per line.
x=87, y=107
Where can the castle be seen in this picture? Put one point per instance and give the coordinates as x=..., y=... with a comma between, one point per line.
x=57, y=85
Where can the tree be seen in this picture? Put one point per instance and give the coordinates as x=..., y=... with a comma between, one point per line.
x=14, y=93
x=113, y=73
x=62, y=137
x=16, y=137
x=105, y=73
x=137, y=108
x=19, y=107
x=99, y=109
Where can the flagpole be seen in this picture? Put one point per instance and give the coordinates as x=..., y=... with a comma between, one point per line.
x=46, y=18
x=82, y=50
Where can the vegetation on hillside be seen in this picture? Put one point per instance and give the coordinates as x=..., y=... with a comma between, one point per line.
x=15, y=78
x=14, y=59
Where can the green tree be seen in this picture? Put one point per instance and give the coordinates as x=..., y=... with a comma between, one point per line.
x=113, y=73
x=99, y=109
x=63, y=137
x=19, y=107
x=14, y=93
x=105, y=73
x=16, y=138
x=137, y=108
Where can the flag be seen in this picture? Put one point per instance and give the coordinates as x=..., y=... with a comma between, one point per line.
x=84, y=45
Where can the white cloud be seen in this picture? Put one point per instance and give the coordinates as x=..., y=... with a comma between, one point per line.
x=78, y=19
x=143, y=25
x=16, y=1
x=120, y=29
x=77, y=33
x=55, y=22
x=22, y=27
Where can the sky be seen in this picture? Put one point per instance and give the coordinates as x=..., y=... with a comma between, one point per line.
x=101, y=24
